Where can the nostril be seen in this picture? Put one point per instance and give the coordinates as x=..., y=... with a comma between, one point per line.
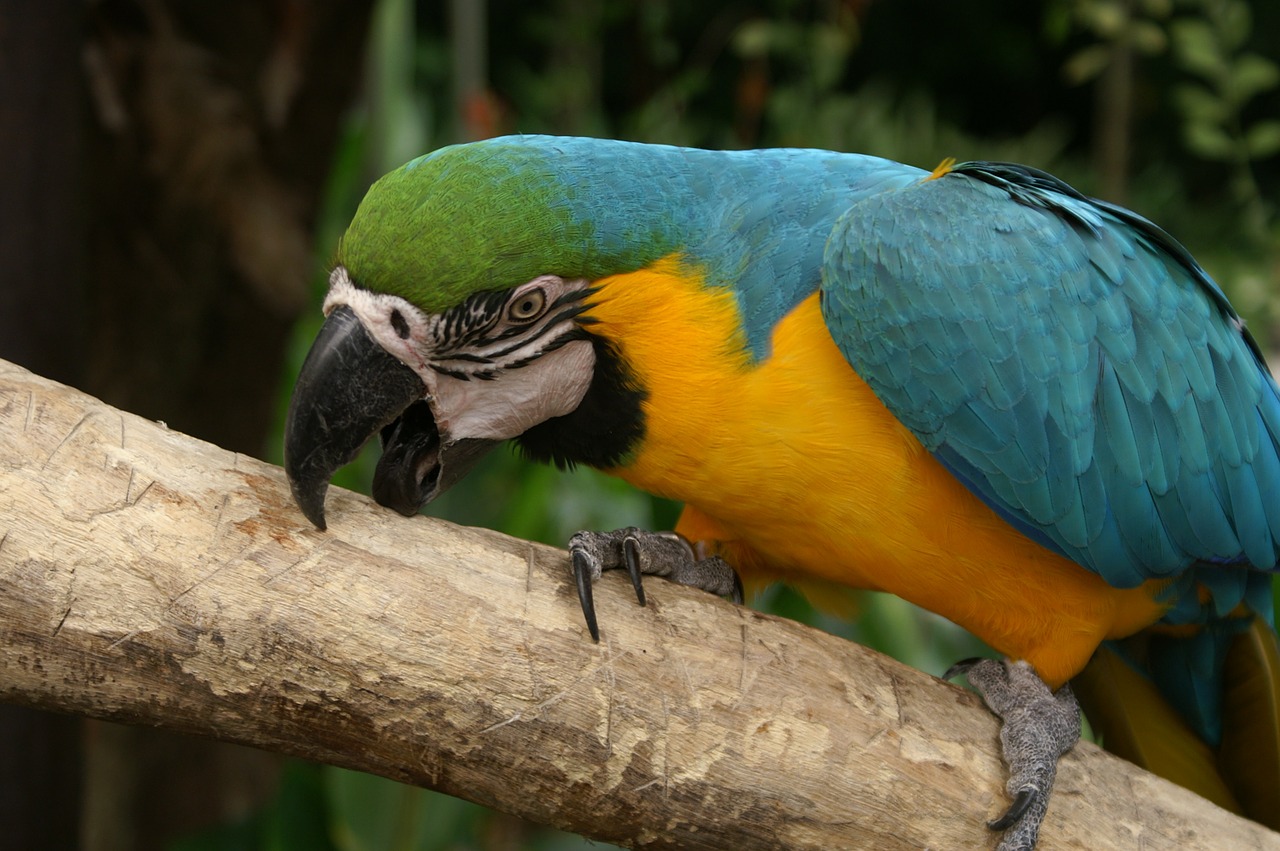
x=399, y=324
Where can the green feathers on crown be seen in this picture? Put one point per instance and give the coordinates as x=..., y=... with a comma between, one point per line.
x=491, y=215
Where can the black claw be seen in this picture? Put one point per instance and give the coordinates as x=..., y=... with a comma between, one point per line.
x=738, y=596
x=582, y=574
x=631, y=555
x=1016, y=810
x=961, y=667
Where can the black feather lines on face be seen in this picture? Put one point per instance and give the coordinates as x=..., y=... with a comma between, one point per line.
x=462, y=327
x=463, y=334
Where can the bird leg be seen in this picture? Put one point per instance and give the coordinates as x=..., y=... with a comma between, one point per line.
x=664, y=554
x=1038, y=726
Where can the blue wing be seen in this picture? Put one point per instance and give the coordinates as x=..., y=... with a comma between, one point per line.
x=1074, y=367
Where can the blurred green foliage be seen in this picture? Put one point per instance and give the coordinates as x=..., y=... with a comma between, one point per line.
x=1196, y=83
x=1226, y=78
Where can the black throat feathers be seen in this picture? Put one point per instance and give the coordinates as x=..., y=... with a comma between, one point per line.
x=605, y=427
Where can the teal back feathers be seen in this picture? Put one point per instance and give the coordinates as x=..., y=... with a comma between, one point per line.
x=491, y=215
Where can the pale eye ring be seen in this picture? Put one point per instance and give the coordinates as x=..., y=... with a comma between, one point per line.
x=527, y=306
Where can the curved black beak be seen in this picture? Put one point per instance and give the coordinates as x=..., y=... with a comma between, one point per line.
x=349, y=389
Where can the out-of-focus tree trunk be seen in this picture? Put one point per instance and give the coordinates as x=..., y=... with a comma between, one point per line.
x=1113, y=115
x=41, y=233
x=41, y=311
x=164, y=162
x=473, y=107
x=214, y=130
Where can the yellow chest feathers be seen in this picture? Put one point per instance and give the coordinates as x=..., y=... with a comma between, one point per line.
x=795, y=459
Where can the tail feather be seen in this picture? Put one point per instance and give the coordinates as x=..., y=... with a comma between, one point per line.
x=1187, y=669
x=1201, y=710
x=1249, y=756
x=1134, y=721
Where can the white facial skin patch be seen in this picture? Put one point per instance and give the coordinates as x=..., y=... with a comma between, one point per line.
x=528, y=376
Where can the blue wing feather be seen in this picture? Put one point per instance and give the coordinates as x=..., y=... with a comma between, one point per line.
x=1072, y=365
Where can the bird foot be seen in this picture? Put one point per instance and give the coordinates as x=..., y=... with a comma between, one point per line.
x=664, y=554
x=1038, y=727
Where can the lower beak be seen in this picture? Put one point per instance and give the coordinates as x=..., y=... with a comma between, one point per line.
x=416, y=464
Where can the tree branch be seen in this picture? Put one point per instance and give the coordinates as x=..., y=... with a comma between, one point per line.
x=150, y=578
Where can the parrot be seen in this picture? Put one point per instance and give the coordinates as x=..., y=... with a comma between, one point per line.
x=1027, y=410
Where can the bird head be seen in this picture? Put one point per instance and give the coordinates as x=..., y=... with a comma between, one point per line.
x=454, y=318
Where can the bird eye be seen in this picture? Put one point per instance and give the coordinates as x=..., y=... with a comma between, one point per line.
x=527, y=305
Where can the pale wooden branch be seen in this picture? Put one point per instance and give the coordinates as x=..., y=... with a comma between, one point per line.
x=150, y=578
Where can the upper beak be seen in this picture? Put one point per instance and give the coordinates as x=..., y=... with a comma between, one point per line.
x=350, y=388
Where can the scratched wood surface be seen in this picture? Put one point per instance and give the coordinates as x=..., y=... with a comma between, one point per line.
x=150, y=578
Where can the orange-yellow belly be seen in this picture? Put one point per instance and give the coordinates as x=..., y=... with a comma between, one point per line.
x=803, y=472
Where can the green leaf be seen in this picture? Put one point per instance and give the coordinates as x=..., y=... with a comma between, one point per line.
x=1251, y=75
x=1148, y=38
x=1106, y=18
x=1263, y=140
x=1199, y=104
x=1209, y=141
x=1086, y=64
x=1196, y=46
x=754, y=39
x=1235, y=22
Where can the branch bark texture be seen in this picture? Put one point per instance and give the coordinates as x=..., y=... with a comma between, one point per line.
x=150, y=578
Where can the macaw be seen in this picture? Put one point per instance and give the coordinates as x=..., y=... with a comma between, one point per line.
x=1022, y=408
